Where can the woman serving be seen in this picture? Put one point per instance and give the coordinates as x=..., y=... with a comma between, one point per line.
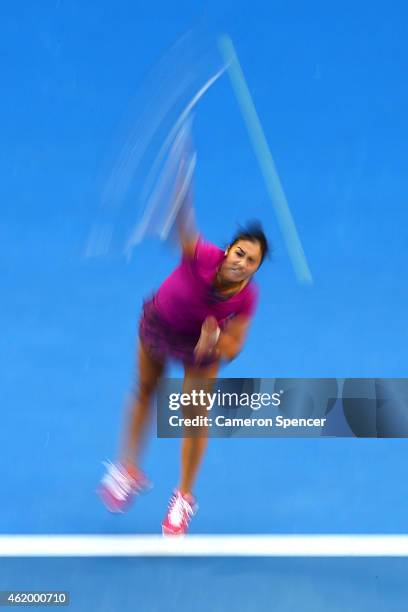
x=199, y=316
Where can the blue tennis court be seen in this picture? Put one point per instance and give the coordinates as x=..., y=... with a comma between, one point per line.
x=328, y=85
x=122, y=584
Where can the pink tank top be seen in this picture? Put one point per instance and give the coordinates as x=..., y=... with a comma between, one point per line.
x=186, y=298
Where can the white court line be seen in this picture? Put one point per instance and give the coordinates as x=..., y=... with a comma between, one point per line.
x=266, y=162
x=204, y=546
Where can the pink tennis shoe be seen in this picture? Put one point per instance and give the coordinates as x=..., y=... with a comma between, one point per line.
x=182, y=508
x=118, y=487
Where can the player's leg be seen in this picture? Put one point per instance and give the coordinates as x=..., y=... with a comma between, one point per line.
x=150, y=372
x=194, y=445
x=183, y=504
x=124, y=479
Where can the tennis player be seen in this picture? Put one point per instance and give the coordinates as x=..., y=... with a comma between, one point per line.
x=200, y=317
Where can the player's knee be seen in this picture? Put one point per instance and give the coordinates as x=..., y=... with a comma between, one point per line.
x=144, y=390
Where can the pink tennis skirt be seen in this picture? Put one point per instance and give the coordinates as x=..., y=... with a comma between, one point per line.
x=162, y=342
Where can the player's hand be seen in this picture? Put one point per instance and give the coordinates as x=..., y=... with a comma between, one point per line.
x=208, y=339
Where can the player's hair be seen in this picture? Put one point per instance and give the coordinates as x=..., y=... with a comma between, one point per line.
x=252, y=231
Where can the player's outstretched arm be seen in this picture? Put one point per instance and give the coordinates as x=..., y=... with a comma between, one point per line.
x=186, y=226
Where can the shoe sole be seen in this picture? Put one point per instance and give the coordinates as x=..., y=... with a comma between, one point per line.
x=171, y=534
